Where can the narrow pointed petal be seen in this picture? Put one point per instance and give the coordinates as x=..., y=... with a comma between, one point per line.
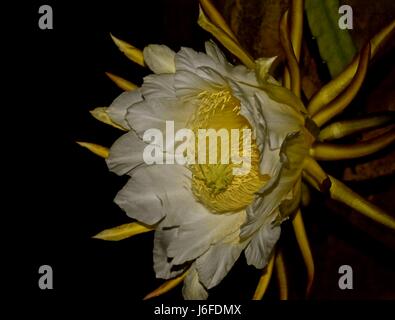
x=167, y=286
x=216, y=18
x=121, y=82
x=343, y=100
x=292, y=62
x=95, y=148
x=303, y=242
x=226, y=40
x=342, y=129
x=281, y=274
x=331, y=90
x=134, y=54
x=264, y=280
x=333, y=152
x=342, y=193
x=101, y=114
x=123, y=231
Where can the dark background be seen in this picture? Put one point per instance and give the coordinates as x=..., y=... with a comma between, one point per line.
x=63, y=194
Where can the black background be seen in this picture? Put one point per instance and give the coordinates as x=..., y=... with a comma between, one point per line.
x=61, y=194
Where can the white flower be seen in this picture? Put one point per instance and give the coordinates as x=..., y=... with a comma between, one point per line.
x=203, y=215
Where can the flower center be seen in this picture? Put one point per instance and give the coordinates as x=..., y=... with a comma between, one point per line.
x=215, y=184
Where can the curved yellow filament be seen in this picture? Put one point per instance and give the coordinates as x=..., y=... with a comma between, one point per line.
x=264, y=280
x=312, y=169
x=343, y=100
x=296, y=30
x=330, y=152
x=281, y=274
x=216, y=18
x=296, y=34
x=342, y=129
x=229, y=43
x=292, y=63
x=331, y=90
x=342, y=193
x=303, y=242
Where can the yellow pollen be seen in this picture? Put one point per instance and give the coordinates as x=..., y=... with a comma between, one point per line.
x=216, y=185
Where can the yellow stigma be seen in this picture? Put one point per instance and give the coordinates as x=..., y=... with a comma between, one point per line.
x=216, y=185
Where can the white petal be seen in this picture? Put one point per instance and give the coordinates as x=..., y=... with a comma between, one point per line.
x=215, y=264
x=196, y=62
x=212, y=76
x=159, y=58
x=126, y=153
x=188, y=85
x=262, y=243
x=152, y=192
x=270, y=164
x=189, y=60
x=195, y=238
x=193, y=289
x=251, y=111
x=154, y=113
x=158, y=86
x=118, y=108
x=281, y=119
x=162, y=265
x=216, y=54
x=265, y=206
x=244, y=75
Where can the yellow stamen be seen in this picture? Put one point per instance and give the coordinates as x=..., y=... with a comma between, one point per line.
x=264, y=280
x=122, y=83
x=167, y=286
x=226, y=40
x=343, y=100
x=327, y=151
x=303, y=242
x=100, y=114
x=123, y=231
x=293, y=66
x=95, y=148
x=331, y=90
x=281, y=274
x=215, y=185
x=342, y=129
x=134, y=54
x=217, y=18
